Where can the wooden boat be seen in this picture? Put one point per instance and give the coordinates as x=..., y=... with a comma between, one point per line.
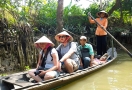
x=21, y=81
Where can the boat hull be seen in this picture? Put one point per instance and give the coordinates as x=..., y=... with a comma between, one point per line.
x=52, y=83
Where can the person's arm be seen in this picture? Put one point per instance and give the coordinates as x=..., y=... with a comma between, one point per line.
x=70, y=52
x=91, y=52
x=39, y=60
x=90, y=20
x=92, y=58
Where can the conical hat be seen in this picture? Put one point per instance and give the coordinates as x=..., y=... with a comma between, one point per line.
x=43, y=39
x=63, y=33
x=106, y=14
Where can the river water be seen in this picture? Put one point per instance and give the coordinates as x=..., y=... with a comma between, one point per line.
x=115, y=76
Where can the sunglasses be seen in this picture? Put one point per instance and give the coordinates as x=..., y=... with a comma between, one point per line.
x=63, y=36
x=82, y=39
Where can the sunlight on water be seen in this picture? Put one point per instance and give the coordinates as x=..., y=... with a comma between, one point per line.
x=116, y=76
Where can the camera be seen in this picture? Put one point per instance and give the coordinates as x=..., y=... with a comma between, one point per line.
x=37, y=72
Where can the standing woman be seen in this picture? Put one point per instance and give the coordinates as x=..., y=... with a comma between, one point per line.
x=48, y=61
x=101, y=35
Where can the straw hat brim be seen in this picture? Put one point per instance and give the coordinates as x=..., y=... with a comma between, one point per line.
x=43, y=39
x=106, y=14
x=63, y=33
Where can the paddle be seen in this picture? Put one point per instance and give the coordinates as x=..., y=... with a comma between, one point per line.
x=111, y=36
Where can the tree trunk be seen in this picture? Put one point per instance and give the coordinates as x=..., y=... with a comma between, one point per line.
x=59, y=16
x=101, y=5
x=115, y=7
x=121, y=13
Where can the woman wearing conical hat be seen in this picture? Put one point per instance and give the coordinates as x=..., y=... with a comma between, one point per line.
x=70, y=60
x=100, y=33
x=48, y=61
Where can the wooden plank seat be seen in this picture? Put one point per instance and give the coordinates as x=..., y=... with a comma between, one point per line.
x=23, y=79
x=20, y=79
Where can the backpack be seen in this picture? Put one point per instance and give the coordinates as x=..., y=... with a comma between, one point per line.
x=45, y=56
x=49, y=49
x=77, y=52
x=84, y=52
x=59, y=54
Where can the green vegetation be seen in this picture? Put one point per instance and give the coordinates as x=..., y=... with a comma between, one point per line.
x=27, y=68
x=3, y=74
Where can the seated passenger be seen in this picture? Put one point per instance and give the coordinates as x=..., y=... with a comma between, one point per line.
x=48, y=62
x=86, y=52
x=70, y=60
x=102, y=60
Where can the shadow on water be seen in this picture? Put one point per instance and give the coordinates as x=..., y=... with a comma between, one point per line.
x=115, y=76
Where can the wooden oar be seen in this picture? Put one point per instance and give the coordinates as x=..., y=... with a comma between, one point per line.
x=111, y=36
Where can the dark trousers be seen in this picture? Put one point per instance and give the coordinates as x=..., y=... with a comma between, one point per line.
x=101, y=45
x=86, y=62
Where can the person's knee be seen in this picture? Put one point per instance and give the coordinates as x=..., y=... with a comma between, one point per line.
x=48, y=75
x=68, y=62
x=31, y=72
x=69, y=66
x=86, y=59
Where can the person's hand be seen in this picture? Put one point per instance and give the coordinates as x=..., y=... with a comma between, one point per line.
x=59, y=68
x=89, y=13
x=92, y=62
x=37, y=67
x=42, y=72
x=61, y=62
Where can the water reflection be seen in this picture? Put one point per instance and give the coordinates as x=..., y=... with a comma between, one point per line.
x=116, y=76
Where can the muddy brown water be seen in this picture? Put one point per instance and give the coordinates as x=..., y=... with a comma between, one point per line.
x=116, y=76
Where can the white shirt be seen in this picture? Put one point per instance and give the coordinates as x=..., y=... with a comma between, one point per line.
x=49, y=60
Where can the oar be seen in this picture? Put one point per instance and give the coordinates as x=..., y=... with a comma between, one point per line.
x=111, y=36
